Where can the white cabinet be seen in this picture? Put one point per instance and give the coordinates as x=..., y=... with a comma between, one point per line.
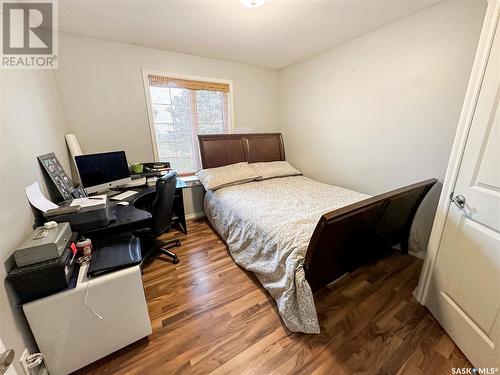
x=71, y=335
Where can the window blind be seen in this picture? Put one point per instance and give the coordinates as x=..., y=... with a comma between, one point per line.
x=160, y=81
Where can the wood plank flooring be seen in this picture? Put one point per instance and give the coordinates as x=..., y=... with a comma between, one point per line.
x=211, y=317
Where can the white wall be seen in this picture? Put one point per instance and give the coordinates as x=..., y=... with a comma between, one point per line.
x=102, y=95
x=381, y=111
x=31, y=124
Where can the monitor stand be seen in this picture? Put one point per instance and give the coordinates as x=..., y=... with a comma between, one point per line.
x=108, y=192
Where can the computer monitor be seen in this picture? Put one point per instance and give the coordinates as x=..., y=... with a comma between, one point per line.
x=102, y=171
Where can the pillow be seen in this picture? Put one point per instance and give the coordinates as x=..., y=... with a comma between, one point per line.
x=274, y=169
x=233, y=174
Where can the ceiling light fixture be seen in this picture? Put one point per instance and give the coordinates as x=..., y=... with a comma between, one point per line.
x=252, y=3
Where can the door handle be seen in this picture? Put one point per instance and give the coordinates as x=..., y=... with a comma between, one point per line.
x=459, y=200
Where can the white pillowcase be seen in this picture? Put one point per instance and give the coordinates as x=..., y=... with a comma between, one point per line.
x=274, y=169
x=233, y=174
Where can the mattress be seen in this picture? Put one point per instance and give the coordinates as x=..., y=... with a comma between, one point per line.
x=267, y=226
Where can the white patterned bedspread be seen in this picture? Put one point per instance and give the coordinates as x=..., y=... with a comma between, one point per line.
x=267, y=226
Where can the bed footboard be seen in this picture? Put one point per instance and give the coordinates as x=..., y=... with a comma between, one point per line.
x=350, y=236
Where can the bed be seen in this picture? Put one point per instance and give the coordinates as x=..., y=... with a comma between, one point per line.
x=296, y=234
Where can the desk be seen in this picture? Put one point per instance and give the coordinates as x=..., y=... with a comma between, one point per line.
x=131, y=217
x=67, y=331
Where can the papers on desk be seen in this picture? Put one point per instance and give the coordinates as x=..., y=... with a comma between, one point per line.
x=37, y=199
x=95, y=200
x=152, y=181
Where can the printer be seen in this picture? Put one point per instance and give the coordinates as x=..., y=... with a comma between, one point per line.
x=45, y=262
x=81, y=218
x=46, y=242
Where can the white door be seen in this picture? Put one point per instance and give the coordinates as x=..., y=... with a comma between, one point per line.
x=464, y=294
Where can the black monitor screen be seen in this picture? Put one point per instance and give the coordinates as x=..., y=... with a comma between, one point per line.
x=97, y=169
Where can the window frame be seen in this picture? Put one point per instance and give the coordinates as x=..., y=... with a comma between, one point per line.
x=149, y=104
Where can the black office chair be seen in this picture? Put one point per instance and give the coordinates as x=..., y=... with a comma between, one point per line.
x=161, y=210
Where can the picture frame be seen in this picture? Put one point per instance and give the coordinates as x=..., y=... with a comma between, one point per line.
x=58, y=183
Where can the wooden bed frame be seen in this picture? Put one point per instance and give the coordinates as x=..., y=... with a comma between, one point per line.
x=344, y=238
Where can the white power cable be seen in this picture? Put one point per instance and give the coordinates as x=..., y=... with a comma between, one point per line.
x=87, y=304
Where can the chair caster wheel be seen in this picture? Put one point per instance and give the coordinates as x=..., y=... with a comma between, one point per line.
x=175, y=260
x=178, y=243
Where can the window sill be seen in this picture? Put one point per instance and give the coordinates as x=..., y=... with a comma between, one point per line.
x=190, y=180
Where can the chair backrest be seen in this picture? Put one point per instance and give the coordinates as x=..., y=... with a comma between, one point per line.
x=163, y=202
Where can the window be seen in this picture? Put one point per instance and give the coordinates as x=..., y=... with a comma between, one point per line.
x=180, y=109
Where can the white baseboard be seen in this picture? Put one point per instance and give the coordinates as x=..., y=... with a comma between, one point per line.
x=195, y=215
x=337, y=279
x=417, y=253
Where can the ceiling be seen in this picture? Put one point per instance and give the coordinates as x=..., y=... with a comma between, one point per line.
x=275, y=35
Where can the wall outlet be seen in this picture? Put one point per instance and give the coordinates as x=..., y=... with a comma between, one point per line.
x=37, y=364
x=23, y=362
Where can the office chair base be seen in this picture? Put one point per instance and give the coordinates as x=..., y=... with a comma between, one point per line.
x=175, y=260
x=168, y=245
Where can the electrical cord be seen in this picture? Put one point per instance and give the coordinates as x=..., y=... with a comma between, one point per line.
x=87, y=304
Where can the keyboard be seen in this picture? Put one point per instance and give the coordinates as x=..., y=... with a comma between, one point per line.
x=134, y=183
x=123, y=195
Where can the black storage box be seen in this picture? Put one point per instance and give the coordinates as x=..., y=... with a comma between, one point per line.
x=42, y=279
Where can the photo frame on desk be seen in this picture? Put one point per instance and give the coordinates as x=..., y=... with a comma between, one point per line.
x=58, y=183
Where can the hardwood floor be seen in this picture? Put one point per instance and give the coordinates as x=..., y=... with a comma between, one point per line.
x=210, y=316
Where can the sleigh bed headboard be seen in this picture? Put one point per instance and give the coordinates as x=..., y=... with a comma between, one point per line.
x=218, y=150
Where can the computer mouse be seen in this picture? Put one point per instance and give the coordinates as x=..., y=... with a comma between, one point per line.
x=123, y=203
